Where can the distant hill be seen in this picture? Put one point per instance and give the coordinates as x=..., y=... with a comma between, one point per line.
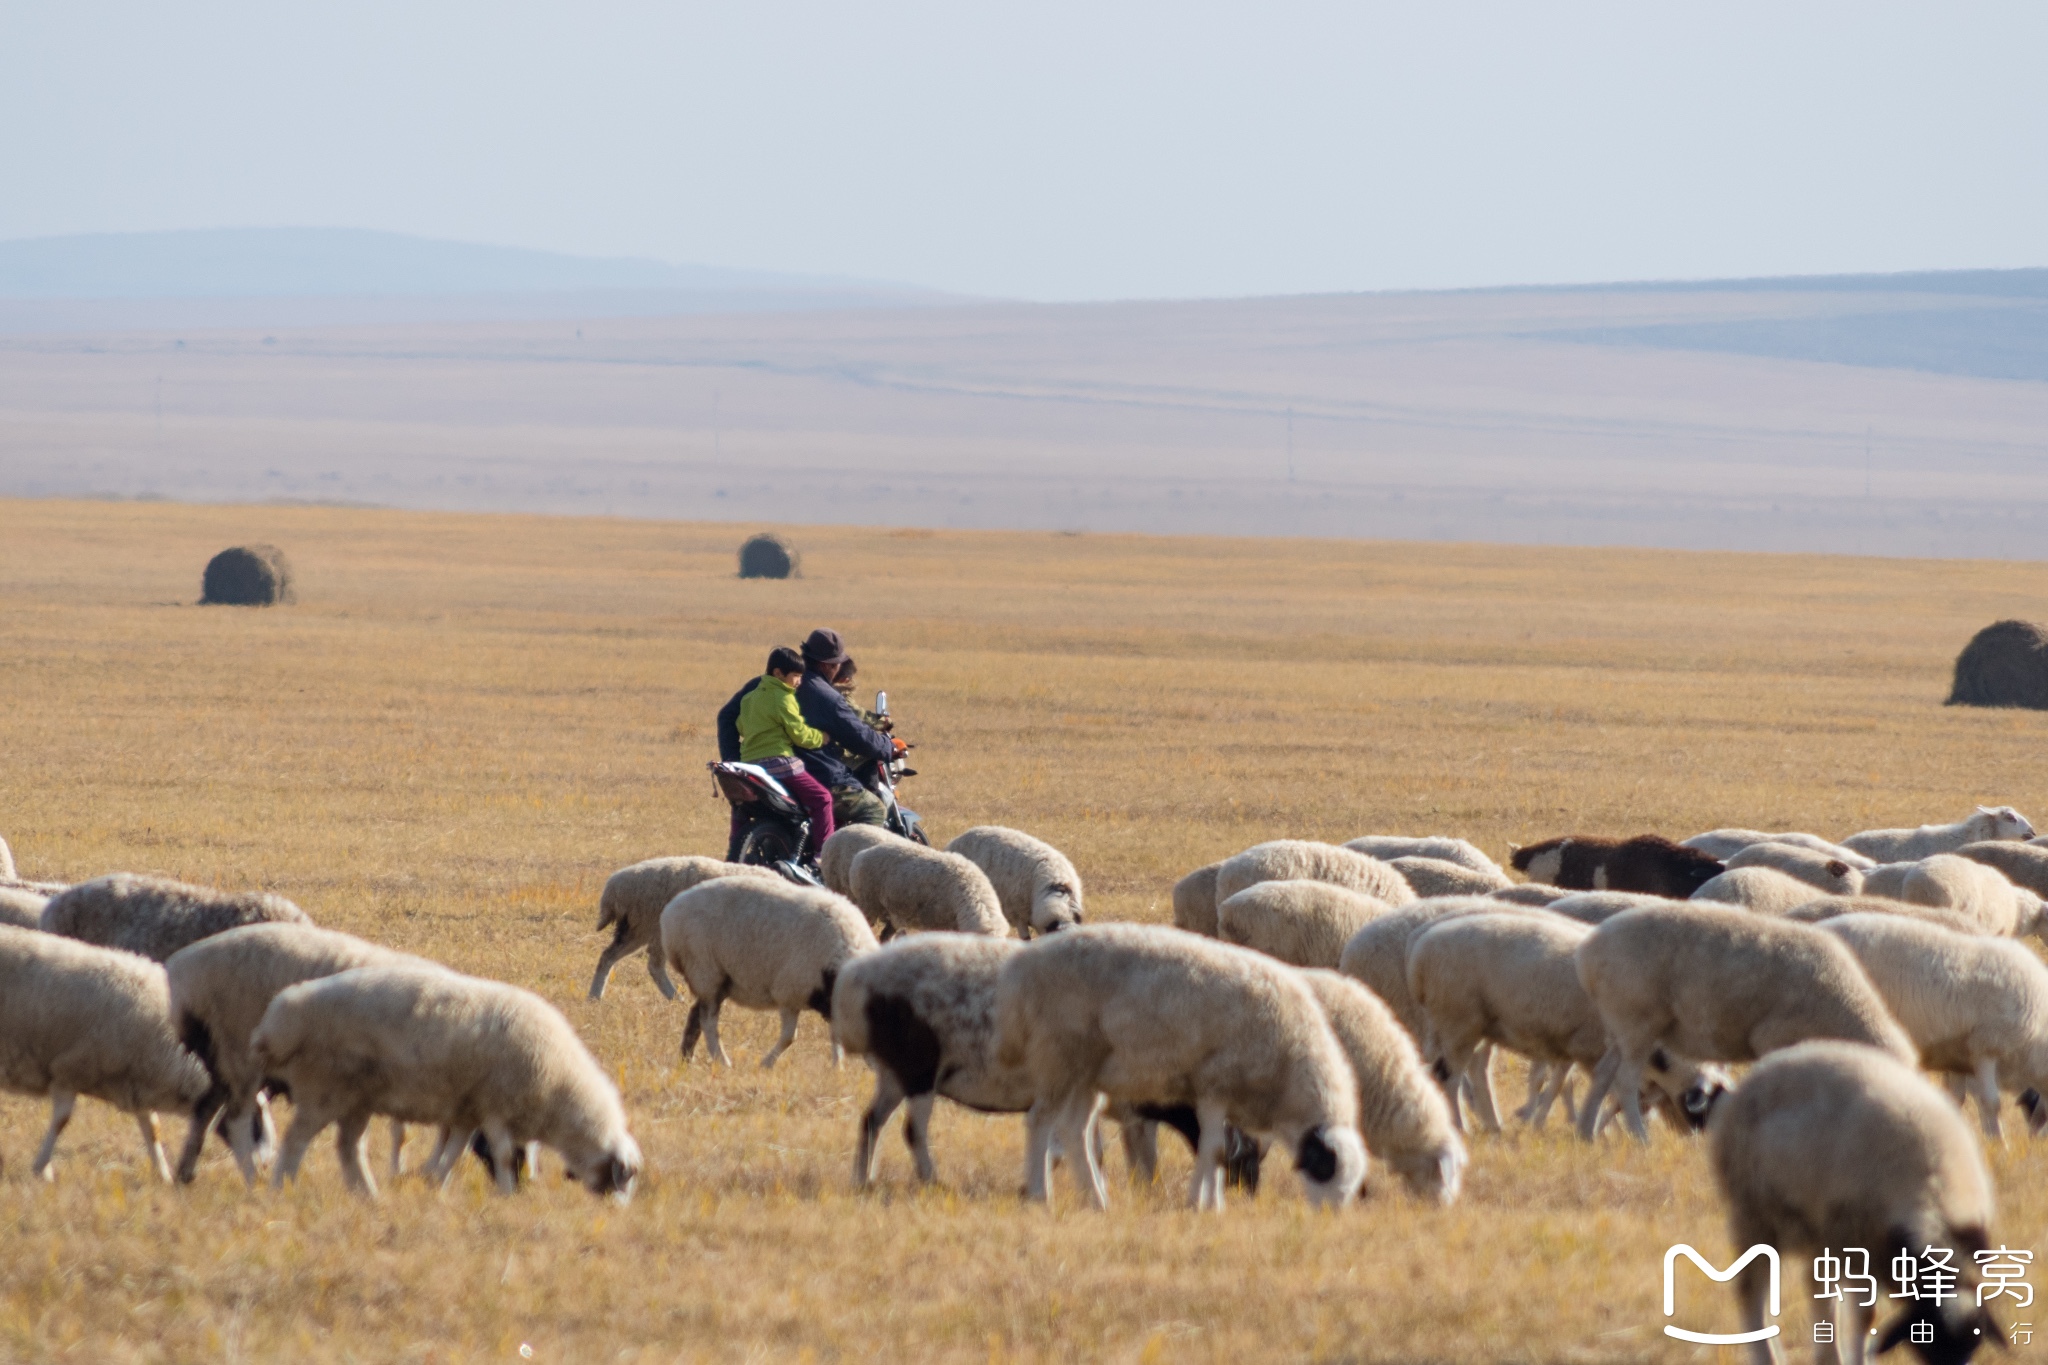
x=329, y=262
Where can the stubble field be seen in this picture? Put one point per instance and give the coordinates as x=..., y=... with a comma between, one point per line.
x=468, y=722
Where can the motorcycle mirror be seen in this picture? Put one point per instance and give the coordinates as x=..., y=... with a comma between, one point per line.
x=881, y=703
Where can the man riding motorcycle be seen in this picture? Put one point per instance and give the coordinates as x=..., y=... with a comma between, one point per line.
x=853, y=741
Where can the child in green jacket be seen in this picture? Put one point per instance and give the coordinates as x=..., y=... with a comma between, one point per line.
x=772, y=730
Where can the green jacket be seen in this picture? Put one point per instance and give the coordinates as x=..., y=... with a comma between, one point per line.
x=770, y=724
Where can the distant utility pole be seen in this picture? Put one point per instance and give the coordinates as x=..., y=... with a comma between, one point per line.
x=1290, y=445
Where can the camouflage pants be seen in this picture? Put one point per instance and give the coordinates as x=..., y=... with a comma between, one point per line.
x=857, y=806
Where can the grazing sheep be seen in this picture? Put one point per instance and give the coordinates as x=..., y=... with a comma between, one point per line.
x=2025, y=865
x=1834, y=907
x=1513, y=980
x=1039, y=890
x=1975, y=1006
x=1387, y=847
x=1194, y=901
x=1648, y=863
x=764, y=946
x=1828, y=1145
x=1435, y=877
x=1402, y=1115
x=1284, y=860
x=922, y=1011
x=424, y=1045
x=904, y=886
x=1720, y=984
x=835, y=859
x=220, y=987
x=1818, y=870
x=83, y=1020
x=1145, y=1014
x=1976, y=889
x=1536, y=894
x=1597, y=907
x=1909, y=845
x=22, y=909
x=1762, y=890
x=1304, y=924
x=155, y=916
x=1726, y=843
x=633, y=899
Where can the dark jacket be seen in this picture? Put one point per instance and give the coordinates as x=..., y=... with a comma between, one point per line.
x=824, y=708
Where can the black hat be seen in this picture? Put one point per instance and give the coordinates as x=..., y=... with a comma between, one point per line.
x=824, y=647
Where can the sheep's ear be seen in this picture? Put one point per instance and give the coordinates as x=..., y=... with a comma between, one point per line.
x=1837, y=868
x=1989, y=810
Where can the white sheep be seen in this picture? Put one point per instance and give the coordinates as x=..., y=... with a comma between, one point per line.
x=1829, y=1145
x=1194, y=901
x=1387, y=847
x=1512, y=980
x=1143, y=1013
x=83, y=1020
x=1305, y=924
x=155, y=916
x=835, y=859
x=1402, y=1115
x=905, y=887
x=632, y=901
x=1726, y=843
x=220, y=987
x=424, y=1045
x=1039, y=889
x=762, y=945
x=1975, y=1006
x=22, y=909
x=1435, y=877
x=922, y=1011
x=1975, y=889
x=1537, y=894
x=1284, y=860
x=1833, y=907
x=2025, y=865
x=1596, y=907
x=1720, y=984
x=1910, y=845
x=1822, y=871
x=1762, y=890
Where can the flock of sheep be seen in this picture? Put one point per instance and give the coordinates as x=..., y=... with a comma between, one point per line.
x=1344, y=1003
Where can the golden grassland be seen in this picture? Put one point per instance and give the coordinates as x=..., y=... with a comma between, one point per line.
x=467, y=722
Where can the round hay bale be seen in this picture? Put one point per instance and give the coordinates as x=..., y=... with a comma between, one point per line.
x=766, y=556
x=2005, y=664
x=248, y=576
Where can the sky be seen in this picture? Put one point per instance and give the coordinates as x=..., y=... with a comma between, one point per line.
x=1059, y=151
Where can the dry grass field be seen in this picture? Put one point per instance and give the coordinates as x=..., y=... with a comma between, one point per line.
x=467, y=722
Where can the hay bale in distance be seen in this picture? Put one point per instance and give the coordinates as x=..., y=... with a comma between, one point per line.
x=766, y=556
x=248, y=576
x=2005, y=664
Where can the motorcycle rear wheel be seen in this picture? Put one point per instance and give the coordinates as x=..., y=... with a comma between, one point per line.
x=767, y=844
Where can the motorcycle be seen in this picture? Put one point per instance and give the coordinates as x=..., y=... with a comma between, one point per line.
x=776, y=832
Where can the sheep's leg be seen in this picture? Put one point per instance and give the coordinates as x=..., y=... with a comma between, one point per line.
x=1479, y=1078
x=789, y=1018
x=1566, y=1093
x=1988, y=1099
x=348, y=1146
x=1076, y=1122
x=1596, y=1094
x=205, y=1112
x=1205, y=1189
x=1038, y=1135
x=657, y=971
x=917, y=1131
x=1539, y=1076
x=1141, y=1149
x=239, y=1124
x=307, y=1121
x=153, y=1143
x=448, y=1149
x=502, y=1151
x=1958, y=1087
x=867, y=1154
x=62, y=1102
x=1554, y=1082
x=1628, y=1086
x=607, y=960
x=263, y=1128
x=1857, y=1334
x=711, y=1043
x=1455, y=1060
x=693, y=1027
x=397, y=1148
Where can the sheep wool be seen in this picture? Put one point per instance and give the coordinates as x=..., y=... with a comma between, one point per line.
x=1828, y=1144
x=1975, y=889
x=1435, y=877
x=1303, y=860
x=835, y=859
x=1194, y=901
x=763, y=945
x=1832, y=907
x=1038, y=888
x=1910, y=845
x=1387, y=847
x=1760, y=890
x=632, y=902
x=83, y=1020
x=1304, y=924
x=155, y=916
x=905, y=887
x=21, y=909
x=1819, y=870
x=1726, y=843
x=2025, y=865
x=424, y=1045
x=1146, y=1014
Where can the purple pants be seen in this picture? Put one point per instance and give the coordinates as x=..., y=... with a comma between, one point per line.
x=810, y=793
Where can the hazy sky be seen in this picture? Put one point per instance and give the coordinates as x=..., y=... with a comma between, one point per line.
x=1059, y=150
